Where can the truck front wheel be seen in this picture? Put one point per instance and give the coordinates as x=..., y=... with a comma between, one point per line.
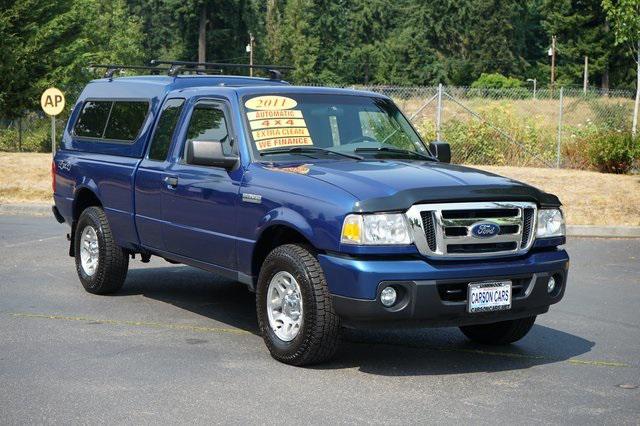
x=295, y=311
x=101, y=264
x=499, y=333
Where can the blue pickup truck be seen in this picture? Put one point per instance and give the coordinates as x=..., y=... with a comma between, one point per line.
x=324, y=202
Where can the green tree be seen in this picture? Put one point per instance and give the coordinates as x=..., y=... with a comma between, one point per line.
x=300, y=42
x=273, y=34
x=496, y=81
x=450, y=41
x=161, y=24
x=52, y=43
x=370, y=24
x=625, y=16
x=489, y=36
x=582, y=30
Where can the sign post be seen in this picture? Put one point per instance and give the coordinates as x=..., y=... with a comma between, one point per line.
x=52, y=103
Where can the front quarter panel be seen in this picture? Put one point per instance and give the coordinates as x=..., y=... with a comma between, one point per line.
x=313, y=208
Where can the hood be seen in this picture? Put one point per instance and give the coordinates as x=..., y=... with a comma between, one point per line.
x=381, y=185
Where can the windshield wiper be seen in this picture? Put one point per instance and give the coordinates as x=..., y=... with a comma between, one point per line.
x=397, y=151
x=308, y=149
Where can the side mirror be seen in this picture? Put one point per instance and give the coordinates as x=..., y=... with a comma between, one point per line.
x=441, y=150
x=209, y=153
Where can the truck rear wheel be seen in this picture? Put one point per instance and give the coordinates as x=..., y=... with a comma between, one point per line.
x=499, y=333
x=101, y=264
x=295, y=311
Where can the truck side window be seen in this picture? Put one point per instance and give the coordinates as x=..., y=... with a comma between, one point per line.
x=126, y=120
x=165, y=128
x=93, y=119
x=208, y=123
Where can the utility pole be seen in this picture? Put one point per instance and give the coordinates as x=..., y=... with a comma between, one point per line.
x=585, y=83
x=250, y=50
x=552, y=53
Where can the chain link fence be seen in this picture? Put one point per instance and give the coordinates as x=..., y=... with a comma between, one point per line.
x=29, y=133
x=519, y=126
x=512, y=127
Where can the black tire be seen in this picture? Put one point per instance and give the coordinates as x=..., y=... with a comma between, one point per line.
x=113, y=261
x=499, y=333
x=319, y=335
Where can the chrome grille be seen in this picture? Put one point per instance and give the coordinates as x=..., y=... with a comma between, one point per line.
x=444, y=230
x=528, y=222
x=429, y=230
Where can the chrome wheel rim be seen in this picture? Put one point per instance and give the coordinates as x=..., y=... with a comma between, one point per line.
x=284, y=306
x=89, y=250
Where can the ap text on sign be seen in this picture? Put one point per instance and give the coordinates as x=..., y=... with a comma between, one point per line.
x=52, y=101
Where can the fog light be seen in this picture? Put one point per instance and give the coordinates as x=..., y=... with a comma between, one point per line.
x=388, y=296
x=551, y=285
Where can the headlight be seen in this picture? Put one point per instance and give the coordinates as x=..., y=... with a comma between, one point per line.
x=376, y=228
x=550, y=223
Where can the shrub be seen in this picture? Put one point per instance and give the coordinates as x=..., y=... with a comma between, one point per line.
x=496, y=81
x=36, y=135
x=613, y=152
x=611, y=114
x=475, y=142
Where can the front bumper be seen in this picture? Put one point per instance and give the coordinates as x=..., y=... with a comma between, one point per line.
x=434, y=293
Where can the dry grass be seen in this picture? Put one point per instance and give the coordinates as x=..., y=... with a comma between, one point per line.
x=589, y=198
x=25, y=178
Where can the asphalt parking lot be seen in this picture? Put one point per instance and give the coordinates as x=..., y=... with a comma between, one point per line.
x=180, y=345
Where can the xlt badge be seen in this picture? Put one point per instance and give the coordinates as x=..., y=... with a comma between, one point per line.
x=252, y=198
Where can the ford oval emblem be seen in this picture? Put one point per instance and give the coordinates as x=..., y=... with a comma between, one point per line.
x=485, y=230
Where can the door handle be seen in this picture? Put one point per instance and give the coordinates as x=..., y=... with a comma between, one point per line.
x=171, y=181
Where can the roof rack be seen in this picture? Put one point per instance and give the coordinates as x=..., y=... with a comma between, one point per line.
x=111, y=69
x=275, y=71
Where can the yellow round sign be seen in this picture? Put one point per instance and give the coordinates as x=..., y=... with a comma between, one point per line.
x=52, y=101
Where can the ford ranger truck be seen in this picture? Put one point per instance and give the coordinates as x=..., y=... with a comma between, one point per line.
x=325, y=202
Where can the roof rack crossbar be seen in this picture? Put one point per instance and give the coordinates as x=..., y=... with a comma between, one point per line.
x=275, y=71
x=113, y=68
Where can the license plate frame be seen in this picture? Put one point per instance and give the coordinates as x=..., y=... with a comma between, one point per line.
x=491, y=306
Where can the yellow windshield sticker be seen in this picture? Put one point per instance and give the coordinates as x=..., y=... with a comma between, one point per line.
x=277, y=122
x=285, y=113
x=274, y=123
x=270, y=103
x=282, y=142
x=276, y=133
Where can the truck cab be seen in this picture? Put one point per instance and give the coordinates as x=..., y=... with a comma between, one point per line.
x=325, y=202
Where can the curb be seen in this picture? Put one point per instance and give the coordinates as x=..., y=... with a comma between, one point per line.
x=603, y=231
x=572, y=230
x=26, y=209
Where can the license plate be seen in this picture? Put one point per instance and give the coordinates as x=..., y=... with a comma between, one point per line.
x=487, y=296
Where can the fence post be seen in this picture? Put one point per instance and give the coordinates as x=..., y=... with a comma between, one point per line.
x=560, y=128
x=439, y=112
x=19, y=134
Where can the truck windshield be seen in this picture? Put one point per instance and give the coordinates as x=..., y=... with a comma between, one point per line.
x=316, y=125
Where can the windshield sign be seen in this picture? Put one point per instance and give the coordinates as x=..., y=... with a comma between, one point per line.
x=314, y=124
x=276, y=124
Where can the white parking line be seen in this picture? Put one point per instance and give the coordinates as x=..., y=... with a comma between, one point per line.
x=24, y=243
